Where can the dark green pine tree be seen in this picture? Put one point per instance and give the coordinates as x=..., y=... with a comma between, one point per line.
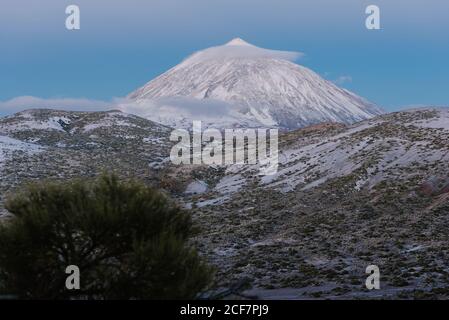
x=128, y=241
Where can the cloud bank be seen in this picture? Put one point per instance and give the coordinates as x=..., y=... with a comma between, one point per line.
x=69, y=104
x=173, y=111
x=342, y=80
x=168, y=111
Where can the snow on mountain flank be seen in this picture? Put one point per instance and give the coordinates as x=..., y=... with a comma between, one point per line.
x=239, y=84
x=30, y=123
x=9, y=145
x=406, y=147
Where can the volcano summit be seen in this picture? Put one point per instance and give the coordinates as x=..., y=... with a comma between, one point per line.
x=239, y=84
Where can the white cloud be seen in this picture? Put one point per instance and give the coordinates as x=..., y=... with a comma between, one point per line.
x=342, y=80
x=168, y=111
x=238, y=48
x=172, y=111
x=71, y=104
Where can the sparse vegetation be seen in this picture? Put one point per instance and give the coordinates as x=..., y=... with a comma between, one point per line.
x=128, y=240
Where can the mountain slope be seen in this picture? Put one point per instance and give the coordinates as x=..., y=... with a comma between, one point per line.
x=52, y=144
x=376, y=192
x=259, y=85
x=403, y=147
x=345, y=197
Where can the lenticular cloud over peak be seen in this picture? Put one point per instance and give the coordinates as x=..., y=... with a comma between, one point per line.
x=239, y=48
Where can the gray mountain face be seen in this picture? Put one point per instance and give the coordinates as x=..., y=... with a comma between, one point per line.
x=258, y=85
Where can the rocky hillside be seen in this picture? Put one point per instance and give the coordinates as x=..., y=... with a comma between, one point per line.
x=345, y=197
x=39, y=144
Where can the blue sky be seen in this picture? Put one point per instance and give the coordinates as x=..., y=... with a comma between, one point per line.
x=123, y=44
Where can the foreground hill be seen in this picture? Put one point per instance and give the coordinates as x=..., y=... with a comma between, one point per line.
x=345, y=197
x=39, y=144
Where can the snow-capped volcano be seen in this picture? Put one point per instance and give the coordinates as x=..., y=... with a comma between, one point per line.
x=247, y=85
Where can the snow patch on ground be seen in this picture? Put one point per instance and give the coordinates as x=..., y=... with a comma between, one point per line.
x=111, y=119
x=196, y=187
x=53, y=123
x=212, y=202
x=230, y=184
x=441, y=122
x=9, y=145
